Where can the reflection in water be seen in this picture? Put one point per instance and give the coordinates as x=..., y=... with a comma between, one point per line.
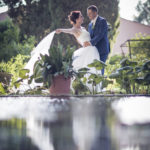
x=133, y=125
x=39, y=134
x=103, y=139
x=89, y=125
x=85, y=123
x=13, y=136
x=134, y=137
x=133, y=110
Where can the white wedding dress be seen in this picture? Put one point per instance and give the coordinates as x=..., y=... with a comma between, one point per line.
x=86, y=55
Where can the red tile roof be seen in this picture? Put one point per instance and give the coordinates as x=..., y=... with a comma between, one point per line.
x=3, y=16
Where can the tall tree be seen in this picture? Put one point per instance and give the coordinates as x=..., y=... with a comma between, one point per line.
x=144, y=12
x=32, y=16
x=38, y=17
x=9, y=36
x=10, y=44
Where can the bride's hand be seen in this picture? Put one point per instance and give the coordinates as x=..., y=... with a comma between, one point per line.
x=58, y=31
x=86, y=44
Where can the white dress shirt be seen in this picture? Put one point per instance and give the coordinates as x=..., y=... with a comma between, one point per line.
x=94, y=20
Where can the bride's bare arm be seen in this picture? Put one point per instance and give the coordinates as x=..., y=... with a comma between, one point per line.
x=72, y=31
x=69, y=31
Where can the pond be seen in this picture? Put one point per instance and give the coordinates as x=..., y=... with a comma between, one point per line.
x=75, y=123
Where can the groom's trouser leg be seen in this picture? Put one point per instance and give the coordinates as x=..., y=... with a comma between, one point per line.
x=103, y=58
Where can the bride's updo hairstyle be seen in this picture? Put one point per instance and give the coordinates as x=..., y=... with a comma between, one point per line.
x=74, y=15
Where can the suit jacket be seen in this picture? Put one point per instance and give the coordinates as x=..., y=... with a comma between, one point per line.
x=99, y=36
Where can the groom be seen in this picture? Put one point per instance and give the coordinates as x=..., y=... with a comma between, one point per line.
x=98, y=32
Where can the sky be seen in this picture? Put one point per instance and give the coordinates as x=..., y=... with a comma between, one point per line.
x=127, y=8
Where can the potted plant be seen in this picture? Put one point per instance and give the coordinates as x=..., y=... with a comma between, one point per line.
x=55, y=70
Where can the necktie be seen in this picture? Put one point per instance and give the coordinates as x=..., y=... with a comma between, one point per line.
x=92, y=25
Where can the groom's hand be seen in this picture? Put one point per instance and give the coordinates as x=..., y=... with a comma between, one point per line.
x=86, y=44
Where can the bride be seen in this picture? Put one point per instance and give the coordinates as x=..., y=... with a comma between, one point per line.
x=87, y=53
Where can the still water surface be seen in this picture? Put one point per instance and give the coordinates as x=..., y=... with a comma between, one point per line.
x=75, y=123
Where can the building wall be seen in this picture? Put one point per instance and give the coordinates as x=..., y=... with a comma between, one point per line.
x=127, y=30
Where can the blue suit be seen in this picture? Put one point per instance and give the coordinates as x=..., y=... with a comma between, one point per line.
x=99, y=38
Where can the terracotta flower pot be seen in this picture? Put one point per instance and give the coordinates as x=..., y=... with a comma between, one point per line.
x=60, y=85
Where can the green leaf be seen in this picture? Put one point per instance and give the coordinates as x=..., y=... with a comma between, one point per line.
x=92, y=76
x=106, y=83
x=146, y=66
x=23, y=73
x=144, y=80
x=49, y=80
x=132, y=63
x=38, y=79
x=97, y=64
x=84, y=80
x=115, y=75
x=36, y=67
x=17, y=84
x=90, y=81
x=42, y=57
x=139, y=80
x=138, y=69
x=125, y=69
x=114, y=59
x=37, y=73
x=2, y=90
x=84, y=69
x=31, y=79
x=98, y=80
x=124, y=62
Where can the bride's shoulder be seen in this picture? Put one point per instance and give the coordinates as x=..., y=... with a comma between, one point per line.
x=76, y=32
x=83, y=28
